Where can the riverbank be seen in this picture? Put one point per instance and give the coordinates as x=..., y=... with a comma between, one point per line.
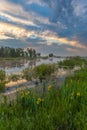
x=59, y=77
x=14, y=83
x=60, y=73
x=52, y=109
x=11, y=58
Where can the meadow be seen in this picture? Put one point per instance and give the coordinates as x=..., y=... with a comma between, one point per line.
x=50, y=108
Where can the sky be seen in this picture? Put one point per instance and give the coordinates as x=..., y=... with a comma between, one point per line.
x=49, y=26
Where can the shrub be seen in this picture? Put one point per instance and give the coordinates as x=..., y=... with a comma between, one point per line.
x=28, y=74
x=14, y=77
x=2, y=75
x=72, y=62
x=2, y=80
x=2, y=87
x=44, y=71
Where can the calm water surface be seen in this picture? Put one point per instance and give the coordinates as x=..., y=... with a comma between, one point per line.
x=17, y=66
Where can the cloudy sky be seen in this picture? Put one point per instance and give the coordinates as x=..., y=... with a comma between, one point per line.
x=56, y=26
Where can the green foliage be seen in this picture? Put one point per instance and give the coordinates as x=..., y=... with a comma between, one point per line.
x=14, y=77
x=55, y=109
x=27, y=74
x=2, y=87
x=11, y=52
x=31, y=53
x=72, y=62
x=75, y=96
x=2, y=80
x=44, y=71
x=2, y=75
x=6, y=52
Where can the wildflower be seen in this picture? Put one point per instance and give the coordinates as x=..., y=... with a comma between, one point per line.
x=78, y=94
x=22, y=92
x=27, y=93
x=39, y=100
x=49, y=87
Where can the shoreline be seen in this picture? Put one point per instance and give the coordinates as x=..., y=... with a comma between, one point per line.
x=13, y=83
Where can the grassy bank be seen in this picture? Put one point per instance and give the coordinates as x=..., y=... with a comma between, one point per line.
x=11, y=58
x=73, y=62
x=49, y=108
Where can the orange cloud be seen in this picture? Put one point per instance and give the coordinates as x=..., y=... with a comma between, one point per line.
x=52, y=37
x=14, y=31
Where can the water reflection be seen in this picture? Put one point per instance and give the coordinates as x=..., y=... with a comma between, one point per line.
x=16, y=66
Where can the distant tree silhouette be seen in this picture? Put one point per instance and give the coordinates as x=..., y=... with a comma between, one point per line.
x=51, y=55
x=17, y=52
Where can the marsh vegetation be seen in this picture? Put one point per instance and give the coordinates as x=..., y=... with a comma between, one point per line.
x=48, y=107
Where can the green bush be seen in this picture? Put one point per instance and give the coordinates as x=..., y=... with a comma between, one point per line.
x=2, y=87
x=14, y=77
x=28, y=74
x=2, y=80
x=2, y=75
x=72, y=62
x=44, y=71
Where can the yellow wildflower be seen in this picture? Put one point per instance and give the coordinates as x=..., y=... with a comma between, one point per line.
x=49, y=87
x=22, y=92
x=78, y=94
x=27, y=93
x=39, y=100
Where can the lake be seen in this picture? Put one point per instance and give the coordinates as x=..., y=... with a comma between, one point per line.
x=16, y=66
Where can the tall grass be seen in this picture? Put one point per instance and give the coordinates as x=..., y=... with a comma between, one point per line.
x=52, y=109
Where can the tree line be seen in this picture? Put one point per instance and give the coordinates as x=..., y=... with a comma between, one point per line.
x=7, y=52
